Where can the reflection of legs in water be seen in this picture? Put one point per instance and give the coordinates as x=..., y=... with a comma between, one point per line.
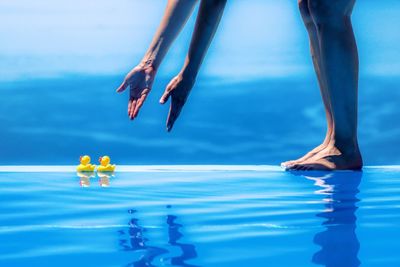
x=339, y=243
x=138, y=242
x=188, y=250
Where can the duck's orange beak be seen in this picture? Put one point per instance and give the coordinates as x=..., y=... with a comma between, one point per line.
x=80, y=158
x=100, y=158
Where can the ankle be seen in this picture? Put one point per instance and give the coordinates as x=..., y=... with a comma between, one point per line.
x=345, y=145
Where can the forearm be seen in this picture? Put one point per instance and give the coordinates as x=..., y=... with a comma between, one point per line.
x=207, y=22
x=175, y=17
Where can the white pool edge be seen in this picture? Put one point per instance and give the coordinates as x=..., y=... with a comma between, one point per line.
x=163, y=168
x=142, y=168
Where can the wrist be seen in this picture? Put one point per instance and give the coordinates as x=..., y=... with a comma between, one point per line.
x=148, y=63
x=188, y=75
x=188, y=72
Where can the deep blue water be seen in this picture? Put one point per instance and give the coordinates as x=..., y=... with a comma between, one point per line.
x=261, y=216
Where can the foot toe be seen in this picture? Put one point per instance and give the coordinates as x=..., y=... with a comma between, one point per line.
x=308, y=168
x=292, y=167
x=288, y=164
x=302, y=168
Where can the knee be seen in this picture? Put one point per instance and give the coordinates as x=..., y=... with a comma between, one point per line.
x=305, y=12
x=327, y=12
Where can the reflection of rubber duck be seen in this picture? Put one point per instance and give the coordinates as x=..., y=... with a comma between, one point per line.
x=85, y=177
x=105, y=165
x=105, y=178
x=85, y=165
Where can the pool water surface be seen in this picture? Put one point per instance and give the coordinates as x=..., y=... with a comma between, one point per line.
x=200, y=216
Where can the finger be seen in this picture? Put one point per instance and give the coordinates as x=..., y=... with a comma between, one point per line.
x=122, y=87
x=129, y=106
x=168, y=90
x=133, y=98
x=174, y=111
x=165, y=96
x=139, y=105
x=133, y=106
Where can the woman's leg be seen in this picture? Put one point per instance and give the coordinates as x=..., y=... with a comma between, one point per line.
x=316, y=58
x=339, y=63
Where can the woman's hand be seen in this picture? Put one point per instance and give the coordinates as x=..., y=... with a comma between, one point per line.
x=178, y=89
x=140, y=81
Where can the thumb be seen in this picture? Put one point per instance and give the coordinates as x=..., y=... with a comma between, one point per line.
x=164, y=98
x=122, y=87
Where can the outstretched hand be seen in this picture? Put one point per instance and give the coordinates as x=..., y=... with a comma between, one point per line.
x=140, y=81
x=178, y=89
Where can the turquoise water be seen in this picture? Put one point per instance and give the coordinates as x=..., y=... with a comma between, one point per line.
x=200, y=216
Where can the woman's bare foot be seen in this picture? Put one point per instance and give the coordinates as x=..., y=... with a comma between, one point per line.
x=308, y=155
x=313, y=152
x=331, y=158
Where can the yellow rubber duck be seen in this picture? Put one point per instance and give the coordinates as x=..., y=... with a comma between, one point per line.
x=105, y=165
x=85, y=165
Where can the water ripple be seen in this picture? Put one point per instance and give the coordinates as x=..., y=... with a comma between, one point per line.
x=199, y=217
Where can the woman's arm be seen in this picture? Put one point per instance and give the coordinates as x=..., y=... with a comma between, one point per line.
x=175, y=17
x=207, y=22
x=140, y=78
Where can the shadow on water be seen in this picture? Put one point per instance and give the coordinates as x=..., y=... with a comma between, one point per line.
x=137, y=243
x=339, y=243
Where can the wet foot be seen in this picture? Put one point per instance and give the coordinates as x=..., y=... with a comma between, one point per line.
x=330, y=159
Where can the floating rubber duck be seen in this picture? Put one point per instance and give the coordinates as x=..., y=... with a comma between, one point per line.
x=105, y=165
x=85, y=165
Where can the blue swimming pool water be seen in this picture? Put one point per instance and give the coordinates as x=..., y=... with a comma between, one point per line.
x=201, y=216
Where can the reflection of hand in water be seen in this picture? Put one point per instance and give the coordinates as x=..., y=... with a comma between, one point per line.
x=339, y=243
x=188, y=250
x=137, y=242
